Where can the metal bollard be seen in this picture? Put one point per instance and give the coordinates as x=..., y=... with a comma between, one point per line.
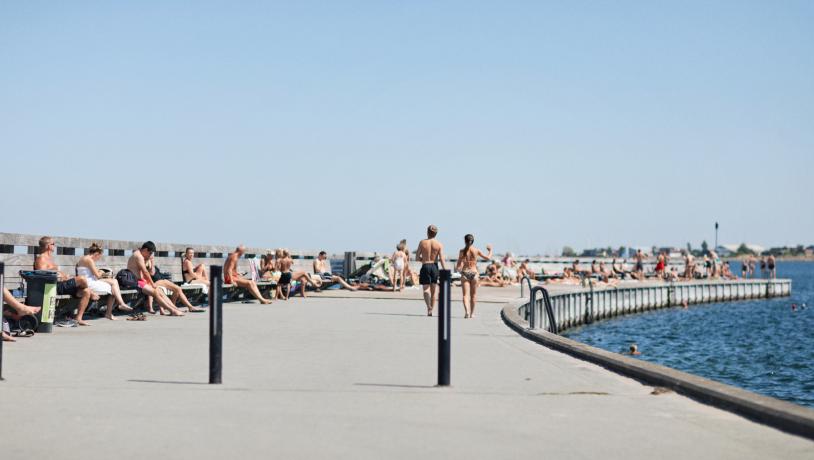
x=215, y=323
x=444, y=335
x=2, y=288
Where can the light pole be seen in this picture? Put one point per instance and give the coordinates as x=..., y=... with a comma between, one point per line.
x=716, y=237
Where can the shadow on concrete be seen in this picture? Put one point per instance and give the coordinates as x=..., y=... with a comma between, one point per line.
x=396, y=314
x=392, y=385
x=171, y=382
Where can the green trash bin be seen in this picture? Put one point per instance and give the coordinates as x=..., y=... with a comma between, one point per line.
x=41, y=290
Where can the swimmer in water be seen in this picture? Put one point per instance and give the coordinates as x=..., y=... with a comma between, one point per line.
x=634, y=350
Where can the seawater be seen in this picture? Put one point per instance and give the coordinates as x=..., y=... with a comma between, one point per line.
x=760, y=345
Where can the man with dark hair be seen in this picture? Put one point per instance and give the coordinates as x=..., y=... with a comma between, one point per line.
x=137, y=276
x=430, y=251
x=322, y=267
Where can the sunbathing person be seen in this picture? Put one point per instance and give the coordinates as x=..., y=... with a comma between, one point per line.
x=605, y=274
x=268, y=271
x=619, y=270
x=508, y=272
x=193, y=274
x=231, y=276
x=18, y=309
x=726, y=273
x=468, y=267
x=322, y=268
x=100, y=282
x=689, y=265
x=136, y=276
x=73, y=286
x=177, y=292
x=284, y=265
x=525, y=270
x=492, y=277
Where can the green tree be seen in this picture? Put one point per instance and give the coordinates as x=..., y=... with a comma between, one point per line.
x=568, y=251
x=743, y=250
x=704, y=248
x=621, y=251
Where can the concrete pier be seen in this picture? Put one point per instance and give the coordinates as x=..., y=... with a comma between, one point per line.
x=346, y=378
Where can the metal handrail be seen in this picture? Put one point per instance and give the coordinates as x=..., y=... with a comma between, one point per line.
x=528, y=280
x=552, y=322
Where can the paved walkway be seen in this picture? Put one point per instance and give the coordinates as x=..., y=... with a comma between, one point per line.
x=344, y=378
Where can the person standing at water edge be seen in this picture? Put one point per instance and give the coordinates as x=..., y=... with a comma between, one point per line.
x=638, y=272
x=430, y=251
x=771, y=265
x=468, y=266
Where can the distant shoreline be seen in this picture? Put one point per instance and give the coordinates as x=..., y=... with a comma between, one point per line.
x=779, y=258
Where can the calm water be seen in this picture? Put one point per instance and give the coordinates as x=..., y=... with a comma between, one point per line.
x=759, y=345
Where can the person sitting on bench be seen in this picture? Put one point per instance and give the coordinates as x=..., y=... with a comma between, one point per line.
x=525, y=270
x=284, y=264
x=73, y=286
x=99, y=282
x=19, y=309
x=193, y=274
x=137, y=276
x=177, y=292
x=322, y=267
x=231, y=276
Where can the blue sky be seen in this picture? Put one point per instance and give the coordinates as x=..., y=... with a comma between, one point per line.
x=351, y=125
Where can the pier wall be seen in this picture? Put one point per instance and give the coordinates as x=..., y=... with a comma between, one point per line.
x=584, y=305
x=578, y=305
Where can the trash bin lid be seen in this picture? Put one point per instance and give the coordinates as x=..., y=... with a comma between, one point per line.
x=44, y=275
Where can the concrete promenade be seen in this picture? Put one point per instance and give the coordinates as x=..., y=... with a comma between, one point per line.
x=348, y=377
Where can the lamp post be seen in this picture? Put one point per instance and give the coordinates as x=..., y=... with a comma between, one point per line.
x=716, y=237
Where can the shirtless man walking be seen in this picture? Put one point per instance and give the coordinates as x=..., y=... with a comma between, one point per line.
x=231, y=276
x=137, y=276
x=430, y=251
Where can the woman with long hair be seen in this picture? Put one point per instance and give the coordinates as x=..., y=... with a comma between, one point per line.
x=100, y=282
x=468, y=267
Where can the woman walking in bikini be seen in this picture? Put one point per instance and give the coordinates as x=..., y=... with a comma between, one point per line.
x=468, y=266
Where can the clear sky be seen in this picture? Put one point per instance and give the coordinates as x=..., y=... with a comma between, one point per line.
x=350, y=125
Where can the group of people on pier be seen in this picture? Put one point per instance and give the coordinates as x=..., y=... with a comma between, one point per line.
x=162, y=295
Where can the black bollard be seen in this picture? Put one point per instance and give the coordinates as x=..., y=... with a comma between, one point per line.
x=444, y=335
x=2, y=288
x=215, y=323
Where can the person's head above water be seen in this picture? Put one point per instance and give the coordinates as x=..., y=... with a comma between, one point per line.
x=432, y=230
x=634, y=349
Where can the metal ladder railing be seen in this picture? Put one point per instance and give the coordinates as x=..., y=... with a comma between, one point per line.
x=549, y=310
